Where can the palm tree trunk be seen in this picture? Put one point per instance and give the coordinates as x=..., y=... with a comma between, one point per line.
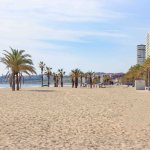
x=57, y=82
x=17, y=81
x=20, y=78
x=76, y=82
x=10, y=81
x=13, y=82
x=55, y=85
x=72, y=83
x=61, y=81
x=90, y=82
x=42, y=76
x=48, y=80
x=86, y=81
x=81, y=82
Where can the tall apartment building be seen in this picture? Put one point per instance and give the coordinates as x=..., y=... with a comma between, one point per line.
x=148, y=45
x=141, y=54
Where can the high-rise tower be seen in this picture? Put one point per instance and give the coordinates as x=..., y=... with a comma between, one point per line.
x=141, y=54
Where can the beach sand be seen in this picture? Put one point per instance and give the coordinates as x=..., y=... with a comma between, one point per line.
x=75, y=119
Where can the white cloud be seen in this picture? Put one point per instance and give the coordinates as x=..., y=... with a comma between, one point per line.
x=60, y=10
x=25, y=24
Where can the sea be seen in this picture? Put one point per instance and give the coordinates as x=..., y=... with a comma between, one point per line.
x=23, y=85
x=30, y=85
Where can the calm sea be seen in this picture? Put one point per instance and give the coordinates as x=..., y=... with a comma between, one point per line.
x=28, y=85
x=23, y=85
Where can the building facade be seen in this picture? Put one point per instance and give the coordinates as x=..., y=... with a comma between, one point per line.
x=148, y=45
x=141, y=52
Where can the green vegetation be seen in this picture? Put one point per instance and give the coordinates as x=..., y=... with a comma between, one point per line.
x=138, y=72
x=17, y=62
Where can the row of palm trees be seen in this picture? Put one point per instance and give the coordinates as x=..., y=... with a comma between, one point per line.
x=57, y=76
x=90, y=78
x=75, y=75
x=18, y=63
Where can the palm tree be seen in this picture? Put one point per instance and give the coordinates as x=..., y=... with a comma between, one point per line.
x=94, y=80
x=17, y=62
x=81, y=78
x=76, y=74
x=106, y=79
x=42, y=66
x=48, y=73
x=90, y=75
x=86, y=79
x=56, y=79
x=72, y=79
x=61, y=74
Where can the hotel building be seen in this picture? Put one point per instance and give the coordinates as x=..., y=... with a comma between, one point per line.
x=141, y=54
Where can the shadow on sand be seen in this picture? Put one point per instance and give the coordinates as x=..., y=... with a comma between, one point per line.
x=42, y=91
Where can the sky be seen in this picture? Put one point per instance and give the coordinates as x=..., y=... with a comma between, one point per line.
x=93, y=35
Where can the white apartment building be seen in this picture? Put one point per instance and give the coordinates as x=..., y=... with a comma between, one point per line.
x=141, y=54
x=148, y=45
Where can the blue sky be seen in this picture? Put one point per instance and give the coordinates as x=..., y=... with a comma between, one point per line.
x=97, y=35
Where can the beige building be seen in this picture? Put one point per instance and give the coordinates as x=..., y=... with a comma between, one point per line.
x=148, y=45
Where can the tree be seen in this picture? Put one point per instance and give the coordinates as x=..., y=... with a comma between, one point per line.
x=75, y=73
x=42, y=67
x=48, y=73
x=72, y=79
x=90, y=76
x=17, y=62
x=106, y=79
x=81, y=78
x=61, y=74
x=56, y=79
x=135, y=72
x=86, y=79
x=145, y=71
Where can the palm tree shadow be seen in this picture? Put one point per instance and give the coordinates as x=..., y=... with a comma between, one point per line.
x=42, y=91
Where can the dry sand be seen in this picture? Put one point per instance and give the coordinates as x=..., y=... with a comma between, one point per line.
x=74, y=119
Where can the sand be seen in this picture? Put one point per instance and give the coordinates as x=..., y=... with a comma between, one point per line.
x=75, y=119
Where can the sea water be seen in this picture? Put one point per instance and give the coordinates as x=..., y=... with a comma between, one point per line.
x=29, y=85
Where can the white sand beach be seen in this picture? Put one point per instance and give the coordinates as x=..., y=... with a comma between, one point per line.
x=75, y=119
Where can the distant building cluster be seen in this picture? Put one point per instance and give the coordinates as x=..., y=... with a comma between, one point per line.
x=143, y=51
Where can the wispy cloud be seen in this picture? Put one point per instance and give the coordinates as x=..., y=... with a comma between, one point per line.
x=60, y=10
x=28, y=24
